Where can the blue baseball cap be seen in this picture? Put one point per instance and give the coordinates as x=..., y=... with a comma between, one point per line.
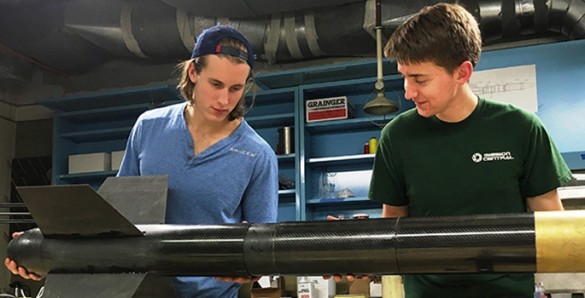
x=208, y=43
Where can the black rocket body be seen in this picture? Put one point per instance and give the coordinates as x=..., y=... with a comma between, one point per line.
x=377, y=246
x=94, y=247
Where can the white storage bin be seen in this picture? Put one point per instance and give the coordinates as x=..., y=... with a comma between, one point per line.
x=91, y=162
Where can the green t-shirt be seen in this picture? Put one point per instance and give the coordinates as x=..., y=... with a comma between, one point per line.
x=488, y=163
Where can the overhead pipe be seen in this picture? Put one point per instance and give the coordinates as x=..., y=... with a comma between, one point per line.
x=35, y=29
x=340, y=31
x=250, y=8
x=81, y=34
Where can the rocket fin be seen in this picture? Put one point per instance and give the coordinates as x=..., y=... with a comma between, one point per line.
x=141, y=199
x=74, y=210
x=108, y=285
x=155, y=286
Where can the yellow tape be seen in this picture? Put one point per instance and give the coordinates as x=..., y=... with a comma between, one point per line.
x=560, y=241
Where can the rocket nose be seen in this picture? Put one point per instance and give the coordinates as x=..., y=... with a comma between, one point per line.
x=25, y=250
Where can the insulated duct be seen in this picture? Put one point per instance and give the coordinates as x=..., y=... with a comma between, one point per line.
x=250, y=8
x=35, y=30
x=343, y=31
x=77, y=35
x=14, y=70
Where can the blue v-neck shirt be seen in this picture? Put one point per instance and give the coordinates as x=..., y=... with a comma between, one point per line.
x=234, y=180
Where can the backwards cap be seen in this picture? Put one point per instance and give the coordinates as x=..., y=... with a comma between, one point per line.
x=208, y=43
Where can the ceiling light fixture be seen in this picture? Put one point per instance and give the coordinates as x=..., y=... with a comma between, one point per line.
x=380, y=105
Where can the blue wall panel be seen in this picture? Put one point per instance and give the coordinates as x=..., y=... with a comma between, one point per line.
x=560, y=76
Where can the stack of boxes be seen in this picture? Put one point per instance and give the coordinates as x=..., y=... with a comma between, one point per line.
x=95, y=162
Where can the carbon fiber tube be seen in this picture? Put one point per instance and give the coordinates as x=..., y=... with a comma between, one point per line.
x=164, y=249
x=488, y=243
x=503, y=243
x=319, y=247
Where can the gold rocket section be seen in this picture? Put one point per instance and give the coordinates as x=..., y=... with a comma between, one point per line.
x=560, y=241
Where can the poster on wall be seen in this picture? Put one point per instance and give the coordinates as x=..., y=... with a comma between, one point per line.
x=515, y=85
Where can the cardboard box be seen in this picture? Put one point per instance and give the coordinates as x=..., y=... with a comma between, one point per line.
x=91, y=162
x=330, y=108
x=117, y=159
x=360, y=287
x=266, y=293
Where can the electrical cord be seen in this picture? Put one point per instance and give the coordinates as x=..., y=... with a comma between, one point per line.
x=19, y=289
x=41, y=292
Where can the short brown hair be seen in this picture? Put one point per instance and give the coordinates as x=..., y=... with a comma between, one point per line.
x=186, y=86
x=445, y=34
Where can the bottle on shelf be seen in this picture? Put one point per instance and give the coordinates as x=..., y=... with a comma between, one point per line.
x=539, y=291
x=373, y=145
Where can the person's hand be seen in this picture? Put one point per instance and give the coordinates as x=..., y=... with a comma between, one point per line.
x=239, y=279
x=16, y=270
x=349, y=276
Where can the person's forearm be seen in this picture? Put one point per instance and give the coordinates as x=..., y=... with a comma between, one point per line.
x=394, y=211
x=549, y=201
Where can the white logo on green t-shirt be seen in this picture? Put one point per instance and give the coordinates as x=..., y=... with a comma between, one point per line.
x=493, y=156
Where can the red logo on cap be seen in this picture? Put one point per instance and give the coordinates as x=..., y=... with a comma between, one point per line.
x=218, y=48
